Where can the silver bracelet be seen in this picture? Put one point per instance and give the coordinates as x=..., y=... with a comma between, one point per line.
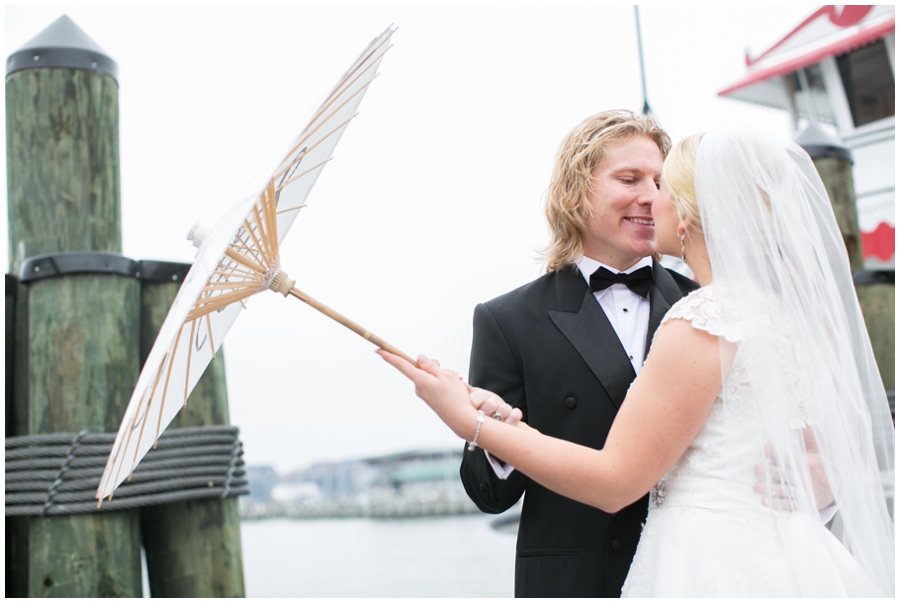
x=480, y=420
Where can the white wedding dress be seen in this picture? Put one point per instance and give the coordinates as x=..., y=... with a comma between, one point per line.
x=708, y=532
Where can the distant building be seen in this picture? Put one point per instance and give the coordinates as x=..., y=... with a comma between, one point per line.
x=334, y=479
x=837, y=68
x=414, y=483
x=262, y=479
x=351, y=477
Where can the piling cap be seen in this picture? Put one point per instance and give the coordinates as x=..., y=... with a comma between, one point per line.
x=62, y=44
x=820, y=143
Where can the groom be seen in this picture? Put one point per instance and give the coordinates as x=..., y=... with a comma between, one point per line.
x=566, y=347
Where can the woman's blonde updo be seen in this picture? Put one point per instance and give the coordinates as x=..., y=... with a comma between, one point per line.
x=678, y=174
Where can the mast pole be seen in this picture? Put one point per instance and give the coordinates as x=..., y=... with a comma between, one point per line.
x=637, y=22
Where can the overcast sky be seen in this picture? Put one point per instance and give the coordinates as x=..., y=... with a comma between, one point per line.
x=433, y=200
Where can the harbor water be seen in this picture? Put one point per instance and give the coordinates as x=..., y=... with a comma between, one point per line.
x=451, y=556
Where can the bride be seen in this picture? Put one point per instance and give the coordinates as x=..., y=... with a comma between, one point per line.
x=765, y=366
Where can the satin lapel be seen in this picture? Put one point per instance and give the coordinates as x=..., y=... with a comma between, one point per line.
x=588, y=330
x=663, y=293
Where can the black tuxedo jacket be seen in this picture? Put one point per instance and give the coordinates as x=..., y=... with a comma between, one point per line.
x=549, y=349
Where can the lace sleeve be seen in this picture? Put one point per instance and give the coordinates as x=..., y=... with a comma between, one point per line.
x=710, y=310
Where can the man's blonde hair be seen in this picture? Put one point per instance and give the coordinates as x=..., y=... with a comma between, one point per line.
x=567, y=207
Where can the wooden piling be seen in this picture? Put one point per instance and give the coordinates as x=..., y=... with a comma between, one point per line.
x=193, y=547
x=875, y=299
x=15, y=537
x=63, y=163
x=79, y=332
x=10, y=345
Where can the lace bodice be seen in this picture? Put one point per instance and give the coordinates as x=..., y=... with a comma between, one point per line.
x=717, y=469
x=729, y=444
x=709, y=309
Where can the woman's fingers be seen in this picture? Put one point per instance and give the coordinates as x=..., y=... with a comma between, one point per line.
x=411, y=372
x=428, y=365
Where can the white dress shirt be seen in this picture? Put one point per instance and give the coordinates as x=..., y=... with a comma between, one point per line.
x=629, y=315
x=628, y=312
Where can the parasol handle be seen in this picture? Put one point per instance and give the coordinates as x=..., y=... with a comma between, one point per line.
x=364, y=333
x=356, y=328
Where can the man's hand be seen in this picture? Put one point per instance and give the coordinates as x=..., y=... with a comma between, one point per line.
x=494, y=406
x=779, y=483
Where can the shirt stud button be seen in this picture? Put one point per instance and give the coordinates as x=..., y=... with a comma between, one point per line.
x=570, y=403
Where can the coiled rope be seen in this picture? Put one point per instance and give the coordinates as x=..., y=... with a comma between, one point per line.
x=58, y=474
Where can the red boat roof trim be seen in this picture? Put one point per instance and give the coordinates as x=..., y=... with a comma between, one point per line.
x=849, y=16
x=840, y=47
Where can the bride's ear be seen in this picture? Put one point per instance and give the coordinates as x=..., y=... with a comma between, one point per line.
x=684, y=225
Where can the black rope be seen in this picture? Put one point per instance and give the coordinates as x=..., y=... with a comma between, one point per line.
x=57, y=474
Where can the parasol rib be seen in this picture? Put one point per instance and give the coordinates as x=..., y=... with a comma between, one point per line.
x=230, y=285
x=262, y=231
x=287, y=209
x=250, y=233
x=267, y=222
x=117, y=449
x=187, y=377
x=271, y=233
x=341, y=88
x=247, y=235
x=212, y=344
x=218, y=302
x=305, y=151
x=162, y=403
x=246, y=246
x=341, y=106
x=245, y=261
x=300, y=175
x=236, y=271
x=143, y=422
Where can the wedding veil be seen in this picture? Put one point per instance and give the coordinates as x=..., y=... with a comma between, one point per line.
x=773, y=241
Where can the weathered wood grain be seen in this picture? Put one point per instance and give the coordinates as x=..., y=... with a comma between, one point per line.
x=62, y=153
x=77, y=348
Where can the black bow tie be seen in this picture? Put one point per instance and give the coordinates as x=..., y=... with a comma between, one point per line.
x=638, y=281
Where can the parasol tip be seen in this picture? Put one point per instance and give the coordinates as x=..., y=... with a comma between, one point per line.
x=198, y=233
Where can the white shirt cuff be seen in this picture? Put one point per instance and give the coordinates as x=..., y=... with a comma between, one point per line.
x=502, y=471
x=826, y=514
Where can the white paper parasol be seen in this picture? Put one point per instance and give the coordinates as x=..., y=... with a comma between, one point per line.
x=237, y=259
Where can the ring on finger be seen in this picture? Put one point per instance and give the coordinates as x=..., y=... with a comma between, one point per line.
x=497, y=415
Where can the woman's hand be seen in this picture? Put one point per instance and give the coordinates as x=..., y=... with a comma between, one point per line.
x=442, y=390
x=494, y=406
